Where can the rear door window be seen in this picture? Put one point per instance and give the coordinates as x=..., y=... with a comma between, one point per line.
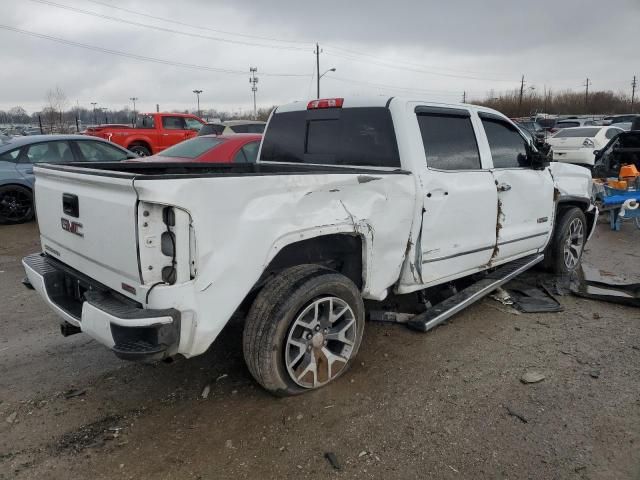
x=100, y=152
x=507, y=145
x=350, y=136
x=49, y=152
x=449, y=141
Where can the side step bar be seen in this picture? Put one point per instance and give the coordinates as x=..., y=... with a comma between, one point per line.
x=437, y=314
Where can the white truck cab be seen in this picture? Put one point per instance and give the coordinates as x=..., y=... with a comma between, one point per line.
x=351, y=199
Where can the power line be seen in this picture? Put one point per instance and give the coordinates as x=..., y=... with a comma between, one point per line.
x=177, y=22
x=142, y=57
x=397, y=88
x=405, y=62
x=191, y=25
x=164, y=29
x=417, y=70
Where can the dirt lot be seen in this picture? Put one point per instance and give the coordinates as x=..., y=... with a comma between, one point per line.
x=447, y=404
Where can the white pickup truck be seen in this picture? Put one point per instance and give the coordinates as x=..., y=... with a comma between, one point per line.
x=351, y=199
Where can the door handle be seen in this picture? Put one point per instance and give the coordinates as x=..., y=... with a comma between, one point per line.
x=165, y=134
x=504, y=187
x=29, y=172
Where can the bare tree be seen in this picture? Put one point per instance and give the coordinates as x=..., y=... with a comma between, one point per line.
x=53, y=112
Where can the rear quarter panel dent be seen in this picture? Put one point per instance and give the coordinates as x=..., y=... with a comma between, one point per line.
x=241, y=223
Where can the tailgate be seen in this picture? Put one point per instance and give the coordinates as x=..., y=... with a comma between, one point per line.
x=99, y=238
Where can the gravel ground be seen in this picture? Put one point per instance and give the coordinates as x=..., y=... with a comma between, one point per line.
x=447, y=404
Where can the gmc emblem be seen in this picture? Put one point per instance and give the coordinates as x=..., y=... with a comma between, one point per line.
x=72, y=227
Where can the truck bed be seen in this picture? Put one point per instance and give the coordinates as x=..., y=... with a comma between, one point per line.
x=164, y=171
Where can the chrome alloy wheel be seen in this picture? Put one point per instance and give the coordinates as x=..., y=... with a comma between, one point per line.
x=573, y=244
x=320, y=342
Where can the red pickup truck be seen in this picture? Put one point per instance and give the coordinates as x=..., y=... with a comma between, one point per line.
x=153, y=132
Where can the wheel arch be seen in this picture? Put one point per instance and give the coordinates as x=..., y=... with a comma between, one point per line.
x=590, y=212
x=340, y=251
x=143, y=141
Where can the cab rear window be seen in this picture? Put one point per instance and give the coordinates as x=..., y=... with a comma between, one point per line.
x=350, y=136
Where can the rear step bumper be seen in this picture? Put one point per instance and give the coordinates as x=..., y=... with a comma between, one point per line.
x=132, y=332
x=442, y=311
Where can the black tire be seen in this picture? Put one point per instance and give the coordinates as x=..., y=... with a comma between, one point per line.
x=140, y=150
x=275, y=314
x=555, y=256
x=16, y=204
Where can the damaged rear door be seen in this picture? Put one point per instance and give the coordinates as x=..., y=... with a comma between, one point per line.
x=525, y=195
x=460, y=199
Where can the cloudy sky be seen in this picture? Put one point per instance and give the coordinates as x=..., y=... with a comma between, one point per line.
x=161, y=50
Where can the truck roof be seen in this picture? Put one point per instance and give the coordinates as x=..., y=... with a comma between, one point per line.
x=382, y=101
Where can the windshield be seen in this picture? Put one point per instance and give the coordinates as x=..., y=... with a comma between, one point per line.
x=192, y=148
x=577, y=132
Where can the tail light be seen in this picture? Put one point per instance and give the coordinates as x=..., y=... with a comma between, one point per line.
x=325, y=103
x=167, y=244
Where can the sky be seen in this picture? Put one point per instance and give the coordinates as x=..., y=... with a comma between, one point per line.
x=106, y=51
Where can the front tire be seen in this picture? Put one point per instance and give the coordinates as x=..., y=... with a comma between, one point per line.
x=564, y=253
x=16, y=204
x=303, y=330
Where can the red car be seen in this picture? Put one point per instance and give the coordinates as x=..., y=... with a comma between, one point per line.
x=238, y=148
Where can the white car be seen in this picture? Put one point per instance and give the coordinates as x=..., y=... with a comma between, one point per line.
x=576, y=145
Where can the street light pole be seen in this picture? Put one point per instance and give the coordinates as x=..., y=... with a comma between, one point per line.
x=198, y=92
x=95, y=115
x=320, y=76
x=133, y=99
x=253, y=80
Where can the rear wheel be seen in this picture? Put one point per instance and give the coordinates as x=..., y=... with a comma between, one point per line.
x=303, y=330
x=564, y=253
x=16, y=204
x=140, y=150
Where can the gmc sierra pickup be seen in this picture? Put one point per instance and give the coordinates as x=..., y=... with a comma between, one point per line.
x=379, y=199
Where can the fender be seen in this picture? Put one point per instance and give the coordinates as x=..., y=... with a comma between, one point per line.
x=362, y=229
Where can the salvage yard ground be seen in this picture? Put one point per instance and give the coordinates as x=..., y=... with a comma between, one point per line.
x=447, y=404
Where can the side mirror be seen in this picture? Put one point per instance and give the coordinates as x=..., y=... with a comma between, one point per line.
x=536, y=159
x=596, y=153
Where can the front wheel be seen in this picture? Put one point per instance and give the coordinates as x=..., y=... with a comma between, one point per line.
x=303, y=330
x=564, y=253
x=16, y=204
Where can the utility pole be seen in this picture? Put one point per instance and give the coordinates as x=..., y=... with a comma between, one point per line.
x=586, y=93
x=521, y=94
x=133, y=99
x=317, y=52
x=198, y=92
x=253, y=80
x=464, y=97
x=95, y=115
x=634, y=84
